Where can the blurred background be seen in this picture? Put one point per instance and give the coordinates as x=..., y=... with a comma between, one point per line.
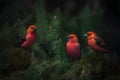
x=55, y=19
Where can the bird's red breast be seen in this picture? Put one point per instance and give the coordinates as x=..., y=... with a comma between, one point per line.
x=73, y=47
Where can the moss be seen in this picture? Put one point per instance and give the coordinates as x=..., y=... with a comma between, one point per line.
x=18, y=58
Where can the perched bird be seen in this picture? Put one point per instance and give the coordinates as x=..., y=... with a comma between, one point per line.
x=96, y=43
x=27, y=40
x=73, y=47
x=24, y=42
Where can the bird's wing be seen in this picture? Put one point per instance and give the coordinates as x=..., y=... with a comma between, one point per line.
x=23, y=38
x=101, y=43
x=20, y=41
x=26, y=43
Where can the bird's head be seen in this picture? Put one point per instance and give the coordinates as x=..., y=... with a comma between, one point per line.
x=31, y=29
x=72, y=38
x=90, y=35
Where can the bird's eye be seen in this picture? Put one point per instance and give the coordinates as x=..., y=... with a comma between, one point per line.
x=32, y=28
x=71, y=36
x=89, y=34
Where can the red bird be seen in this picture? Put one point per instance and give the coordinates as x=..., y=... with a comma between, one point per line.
x=96, y=43
x=73, y=47
x=28, y=40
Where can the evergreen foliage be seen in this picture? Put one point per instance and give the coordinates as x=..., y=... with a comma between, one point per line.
x=47, y=59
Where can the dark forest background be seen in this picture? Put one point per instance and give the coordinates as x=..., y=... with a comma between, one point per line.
x=55, y=19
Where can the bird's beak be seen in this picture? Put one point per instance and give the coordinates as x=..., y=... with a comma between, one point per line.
x=85, y=35
x=68, y=37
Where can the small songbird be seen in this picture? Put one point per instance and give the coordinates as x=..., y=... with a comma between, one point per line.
x=73, y=47
x=96, y=43
x=27, y=40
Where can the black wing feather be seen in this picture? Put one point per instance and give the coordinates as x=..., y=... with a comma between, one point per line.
x=20, y=41
x=101, y=43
